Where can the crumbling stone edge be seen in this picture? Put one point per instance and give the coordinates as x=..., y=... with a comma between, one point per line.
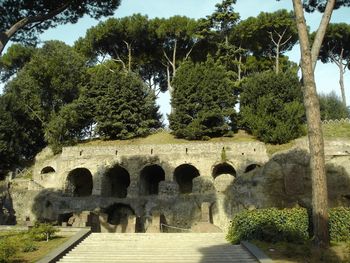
x=62, y=250
x=256, y=252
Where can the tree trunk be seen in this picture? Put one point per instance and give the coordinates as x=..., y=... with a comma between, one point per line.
x=341, y=76
x=316, y=145
x=129, y=48
x=3, y=41
x=341, y=83
x=277, y=59
x=321, y=31
x=240, y=68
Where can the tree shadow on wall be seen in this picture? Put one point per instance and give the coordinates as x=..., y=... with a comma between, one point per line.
x=7, y=213
x=46, y=205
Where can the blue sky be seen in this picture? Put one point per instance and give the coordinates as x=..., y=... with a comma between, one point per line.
x=326, y=74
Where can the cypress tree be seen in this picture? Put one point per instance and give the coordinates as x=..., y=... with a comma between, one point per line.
x=124, y=107
x=203, y=101
x=271, y=106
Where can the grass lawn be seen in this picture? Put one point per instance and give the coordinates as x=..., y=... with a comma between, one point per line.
x=167, y=138
x=20, y=238
x=341, y=130
x=282, y=252
x=43, y=249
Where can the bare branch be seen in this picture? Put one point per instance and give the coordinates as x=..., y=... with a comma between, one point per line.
x=166, y=56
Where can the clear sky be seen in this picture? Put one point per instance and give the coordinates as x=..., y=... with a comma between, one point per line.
x=326, y=74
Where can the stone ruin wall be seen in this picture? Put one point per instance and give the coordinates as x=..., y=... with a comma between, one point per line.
x=97, y=159
x=283, y=180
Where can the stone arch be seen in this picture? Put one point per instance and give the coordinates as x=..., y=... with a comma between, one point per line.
x=150, y=177
x=118, y=217
x=47, y=169
x=223, y=168
x=116, y=181
x=183, y=175
x=251, y=167
x=79, y=182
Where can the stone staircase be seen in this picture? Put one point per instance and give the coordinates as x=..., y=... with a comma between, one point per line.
x=158, y=248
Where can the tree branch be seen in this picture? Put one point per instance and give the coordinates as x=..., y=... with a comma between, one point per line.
x=5, y=36
x=316, y=46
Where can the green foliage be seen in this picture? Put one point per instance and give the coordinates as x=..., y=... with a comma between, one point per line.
x=270, y=225
x=14, y=59
x=335, y=46
x=339, y=224
x=40, y=8
x=332, y=108
x=69, y=125
x=42, y=231
x=223, y=155
x=255, y=33
x=29, y=246
x=50, y=80
x=271, y=106
x=223, y=19
x=123, y=107
x=20, y=135
x=9, y=246
x=203, y=101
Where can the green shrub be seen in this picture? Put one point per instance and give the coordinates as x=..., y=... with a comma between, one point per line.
x=29, y=246
x=270, y=225
x=271, y=106
x=203, y=101
x=339, y=224
x=42, y=231
x=9, y=246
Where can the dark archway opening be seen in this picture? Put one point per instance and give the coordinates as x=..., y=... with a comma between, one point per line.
x=79, y=182
x=47, y=169
x=163, y=223
x=184, y=175
x=118, y=215
x=117, y=181
x=64, y=219
x=251, y=167
x=150, y=178
x=223, y=168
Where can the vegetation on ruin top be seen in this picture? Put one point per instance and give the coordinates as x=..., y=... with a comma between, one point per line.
x=164, y=137
x=339, y=130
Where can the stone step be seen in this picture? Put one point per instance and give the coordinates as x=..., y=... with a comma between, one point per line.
x=158, y=248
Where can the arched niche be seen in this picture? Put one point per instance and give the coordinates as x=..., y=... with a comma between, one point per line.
x=251, y=167
x=118, y=216
x=116, y=182
x=150, y=177
x=184, y=175
x=223, y=168
x=47, y=170
x=79, y=182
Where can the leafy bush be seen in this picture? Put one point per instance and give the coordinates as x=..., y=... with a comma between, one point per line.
x=9, y=246
x=332, y=108
x=270, y=225
x=339, y=224
x=42, y=231
x=271, y=106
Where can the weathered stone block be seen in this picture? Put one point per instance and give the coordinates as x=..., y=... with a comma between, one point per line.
x=168, y=188
x=203, y=185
